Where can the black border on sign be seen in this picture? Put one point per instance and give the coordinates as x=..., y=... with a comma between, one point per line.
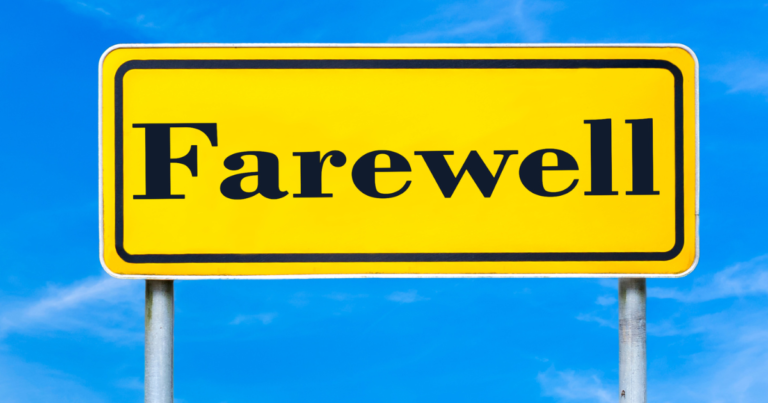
x=402, y=64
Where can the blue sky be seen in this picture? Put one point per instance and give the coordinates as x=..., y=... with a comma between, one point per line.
x=69, y=333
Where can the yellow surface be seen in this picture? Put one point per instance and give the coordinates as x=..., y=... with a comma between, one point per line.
x=283, y=111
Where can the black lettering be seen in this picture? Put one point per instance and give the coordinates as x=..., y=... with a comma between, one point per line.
x=268, y=173
x=364, y=173
x=532, y=171
x=312, y=172
x=474, y=165
x=642, y=157
x=602, y=162
x=157, y=151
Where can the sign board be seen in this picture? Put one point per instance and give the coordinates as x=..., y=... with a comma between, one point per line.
x=259, y=161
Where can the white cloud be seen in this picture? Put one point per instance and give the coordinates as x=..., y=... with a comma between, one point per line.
x=264, y=318
x=178, y=21
x=130, y=383
x=730, y=369
x=609, y=283
x=102, y=306
x=731, y=365
x=89, y=7
x=175, y=16
x=743, y=75
x=25, y=382
x=571, y=386
x=740, y=280
x=406, y=297
x=486, y=19
x=340, y=296
x=672, y=327
x=586, y=317
x=605, y=300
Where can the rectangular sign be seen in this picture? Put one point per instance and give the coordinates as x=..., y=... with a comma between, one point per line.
x=256, y=161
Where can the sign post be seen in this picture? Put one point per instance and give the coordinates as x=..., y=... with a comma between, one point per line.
x=632, y=356
x=158, y=342
x=351, y=161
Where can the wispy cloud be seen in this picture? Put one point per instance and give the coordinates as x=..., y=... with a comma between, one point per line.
x=340, y=296
x=484, y=20
x=90, y=7
x=132, y=383
x=406, y=297
x=607, y=304
x=102, y=306
x=264, y=318
x=743, y=75
x=26, y=382
x=605, y=300
x=152, y=18
x=572, y=386
x=731, y=365
x=471, y=20
x=735, y=355
x=740, y=280
x=587, y=317
x=730, y=369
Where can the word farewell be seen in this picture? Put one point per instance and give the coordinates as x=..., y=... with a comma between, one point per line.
x=364, y=171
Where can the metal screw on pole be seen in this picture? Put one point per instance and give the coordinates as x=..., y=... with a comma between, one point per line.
x=158, y=342
x=632, y=357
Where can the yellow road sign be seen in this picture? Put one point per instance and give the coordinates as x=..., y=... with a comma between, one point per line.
x=330, y=161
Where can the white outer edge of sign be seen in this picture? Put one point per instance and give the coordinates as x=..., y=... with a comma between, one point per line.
x=397, y=45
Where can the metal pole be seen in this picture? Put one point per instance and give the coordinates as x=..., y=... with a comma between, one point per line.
x=158, y=342
x=632, y=358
